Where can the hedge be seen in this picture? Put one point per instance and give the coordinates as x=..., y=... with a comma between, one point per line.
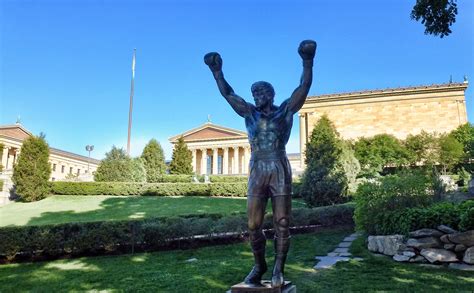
x=457, y=216
x=238, y=189
x=229, y=179
x=74, y=239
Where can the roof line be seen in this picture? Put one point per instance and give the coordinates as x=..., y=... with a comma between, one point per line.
x=207, y=124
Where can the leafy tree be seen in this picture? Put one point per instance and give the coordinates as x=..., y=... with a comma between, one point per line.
x=154, y=161
x=350, y=165
x=324, y=181
x=181, y=160
x=31, y=173
x=423, y=148
x=465, y=135
x=451, y=152
x=139, y=173
x=1, y=155
x=119, y=167
x=436, y=15
x=380, y=151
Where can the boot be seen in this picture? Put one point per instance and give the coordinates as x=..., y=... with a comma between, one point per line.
x=281, y=250
x=260, y=267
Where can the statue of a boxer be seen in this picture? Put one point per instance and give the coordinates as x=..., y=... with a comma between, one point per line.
x=268, y=127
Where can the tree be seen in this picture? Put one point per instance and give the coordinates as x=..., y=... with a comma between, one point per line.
x=380, y=151
x=324, y=181
x=181, y=160
x=31, y=173
x=119, y=167
x=436, y=15
x=423, y=148
x=451, y=152
x=465, y=135
x=154, y=161
x=1, y=155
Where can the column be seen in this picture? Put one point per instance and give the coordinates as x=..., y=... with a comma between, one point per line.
x=203, y=161
x=215, y=155
x=235, y=163
x=5, y=157
x=225, y=161
x=245, y=163
x=303, y=139
x=194, y=160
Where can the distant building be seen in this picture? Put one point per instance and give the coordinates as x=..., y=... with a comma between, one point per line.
x=62, y=162
x=398, y=111
x=221, y=150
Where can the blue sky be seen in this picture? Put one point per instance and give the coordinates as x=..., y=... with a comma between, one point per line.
x=65, y=66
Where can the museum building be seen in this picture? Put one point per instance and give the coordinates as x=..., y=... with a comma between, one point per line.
x=401, y=111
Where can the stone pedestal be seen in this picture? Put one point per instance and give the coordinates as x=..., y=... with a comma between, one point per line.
x=265, y=288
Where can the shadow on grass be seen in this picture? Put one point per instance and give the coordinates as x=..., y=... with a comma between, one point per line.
x=215, y=269
x=123, y=208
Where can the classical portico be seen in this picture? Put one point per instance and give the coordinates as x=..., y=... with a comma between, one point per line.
x=217, y=149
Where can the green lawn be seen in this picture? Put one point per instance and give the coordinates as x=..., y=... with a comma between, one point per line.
x=219, y=267
x=65, y=208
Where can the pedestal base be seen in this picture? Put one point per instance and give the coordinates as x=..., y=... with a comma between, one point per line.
x=265, y=288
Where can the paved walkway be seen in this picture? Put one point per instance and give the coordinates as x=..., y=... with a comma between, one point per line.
x=341, y=253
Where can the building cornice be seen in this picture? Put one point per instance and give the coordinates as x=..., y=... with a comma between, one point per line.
x=238, y=133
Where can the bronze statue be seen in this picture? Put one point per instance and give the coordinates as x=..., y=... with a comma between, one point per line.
x=268, y=127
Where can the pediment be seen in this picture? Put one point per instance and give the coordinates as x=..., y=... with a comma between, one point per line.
x=14, y=131
x=210, y=131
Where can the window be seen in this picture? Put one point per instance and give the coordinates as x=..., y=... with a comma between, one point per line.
x=54, y=167
x=62, y=168
x=70, y=170
x=78, y=172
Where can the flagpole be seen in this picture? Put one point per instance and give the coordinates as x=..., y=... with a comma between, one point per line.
x=131, y=102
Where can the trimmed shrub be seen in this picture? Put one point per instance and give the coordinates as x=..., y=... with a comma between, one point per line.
x=457, y=216
x=181, y=159
x=154, y=160
x=229, y=179
x=228, y=189
x=31, y=242
x=174, y=178
x=392, y=193
x=31, y=173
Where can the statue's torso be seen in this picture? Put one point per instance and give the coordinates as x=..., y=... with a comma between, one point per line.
x=270, y=132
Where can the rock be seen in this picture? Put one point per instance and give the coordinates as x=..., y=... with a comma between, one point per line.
x=465, y=238
x=461, y=266
x=191, y=260
x=421, y=243
x=401, y=258
x=418, y=259
x=446, y=229
x=439, y=255
x=469, y=256
x=409, y=253
x=460, y=248
x=425, y=233
x=449, y=246
x=445, y=239
x=388, y=245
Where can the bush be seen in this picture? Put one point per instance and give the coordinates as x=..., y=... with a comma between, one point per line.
x=31, y=173
x=324, y=180
x=457, y=216
x=30, y=242
x=221, y=178
x=182, y=158
x=391, y=193
x=119, y=167
x=154, y=160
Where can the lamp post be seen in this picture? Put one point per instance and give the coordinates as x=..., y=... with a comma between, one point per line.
x=89, y=148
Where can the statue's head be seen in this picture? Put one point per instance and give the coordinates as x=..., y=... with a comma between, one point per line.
x=263, y=93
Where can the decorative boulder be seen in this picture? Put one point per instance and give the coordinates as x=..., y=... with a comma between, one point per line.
x=445, y=239
x=401, y=257
x=425, y=233
x=418, y=259
x=459, y=248
x=446, y=229
x=465, y=238
x=388, y=245
x=439, y=255
x=469, y=256
x=421, y=243
x=449, y=246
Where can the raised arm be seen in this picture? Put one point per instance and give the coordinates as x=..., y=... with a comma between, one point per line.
x=307, y=50
x=214, y=61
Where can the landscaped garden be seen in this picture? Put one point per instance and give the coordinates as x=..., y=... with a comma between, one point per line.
x=215, y=269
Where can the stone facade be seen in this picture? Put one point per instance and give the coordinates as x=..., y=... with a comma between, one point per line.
x=221, y=150
x=62, y=162
x=398, y=111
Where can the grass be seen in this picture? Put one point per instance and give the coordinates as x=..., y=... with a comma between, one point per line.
x=66, y=208
x=219, y=267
